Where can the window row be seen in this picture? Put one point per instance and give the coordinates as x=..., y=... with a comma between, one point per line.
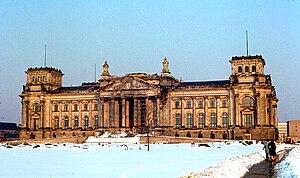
x=200, y=104
x=76, y=125
x=75, y=107
x=201, y=120
x=246, y=69
x=38, y=79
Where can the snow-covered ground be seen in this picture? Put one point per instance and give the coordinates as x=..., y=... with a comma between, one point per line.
x=128, y=160
x=290, y=165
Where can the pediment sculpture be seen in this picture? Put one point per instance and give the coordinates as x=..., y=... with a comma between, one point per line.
x=129, y=83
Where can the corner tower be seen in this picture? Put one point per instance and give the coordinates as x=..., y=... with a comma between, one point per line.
x=43, y=79
x=253, y=97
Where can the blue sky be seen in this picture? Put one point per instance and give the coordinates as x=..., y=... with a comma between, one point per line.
x=198, y=37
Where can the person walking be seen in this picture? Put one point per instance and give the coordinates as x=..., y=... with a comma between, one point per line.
x=272, y=150
x=266, y=148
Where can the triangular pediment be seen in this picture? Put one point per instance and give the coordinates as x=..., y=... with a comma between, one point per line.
x=248, y=109
x=35, y=115
x=129, y=83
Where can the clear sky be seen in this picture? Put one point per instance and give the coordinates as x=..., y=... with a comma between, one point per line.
x=198, y=37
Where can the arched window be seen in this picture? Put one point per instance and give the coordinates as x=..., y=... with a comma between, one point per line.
x=86, y=122
x=225, y=120
x=178, y=120
x=247, y=101
x=190, y=120
x=96, y=121
x=56, y=122
x=38, y=78
x=75, y=107
x=213, y=120
x=76, y=123
x=85, y=107
x=253, y=68
x=240, y=69
x=246, y=68
x=44, y=78
x=33, y=79
x=66, y=122
x=201, y=120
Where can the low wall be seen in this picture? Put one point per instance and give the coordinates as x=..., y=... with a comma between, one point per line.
x=175, y=140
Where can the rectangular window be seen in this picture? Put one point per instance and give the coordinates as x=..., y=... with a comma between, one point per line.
x=178, y=120
x=96, y=122
x=95, y=107
x=225, y=120
x=213, y=120
x=177, y=104
x=248, y=120
x=37, y=108
x=200, y=104
x=66, y=122
x=201, y=120
x=190, y=121
x=224, y=103
x=66, y=107
x=212, y=103
x=56, y=122
x=86, y=122
x=76, y=123
x=189, y=104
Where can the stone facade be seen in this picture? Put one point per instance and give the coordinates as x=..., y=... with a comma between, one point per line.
x=243, y=107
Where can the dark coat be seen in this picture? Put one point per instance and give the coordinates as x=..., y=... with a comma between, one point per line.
x=272, y=148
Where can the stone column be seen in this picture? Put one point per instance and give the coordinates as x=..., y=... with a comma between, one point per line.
x=238, y=119
x=231, y=107
x=60, y=117
x=158, y=112
x=218, y=114
x=111, y=113
x=126, y=113
x=101, y=121
x=79, y=114
x=24, y=114
x=139, y=112
x=135, y=112
x=42, y=119
x=149, y=112
x=206, y=114
x=91, y=117
x=181, y=112
x=123, y=112
x=116, y=113
x=105, y=114
x=47, y=118
x=195, y=123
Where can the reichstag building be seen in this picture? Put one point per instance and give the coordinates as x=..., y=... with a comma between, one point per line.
x=242, y=107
